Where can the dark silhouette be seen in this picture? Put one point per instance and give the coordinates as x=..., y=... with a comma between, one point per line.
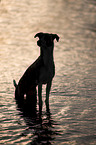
x=40, y=72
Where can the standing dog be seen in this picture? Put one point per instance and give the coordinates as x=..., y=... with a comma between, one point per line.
x=40, y=72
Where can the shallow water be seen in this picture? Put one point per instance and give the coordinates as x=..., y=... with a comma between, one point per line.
x=72, y=118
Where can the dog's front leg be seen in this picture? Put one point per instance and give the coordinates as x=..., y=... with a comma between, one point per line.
x=40, y=96
x=48, y=88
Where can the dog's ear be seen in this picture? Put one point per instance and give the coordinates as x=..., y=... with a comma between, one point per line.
x=55, y=36
x=38, y=35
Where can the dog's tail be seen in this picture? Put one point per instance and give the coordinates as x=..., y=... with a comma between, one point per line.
x=14, y=82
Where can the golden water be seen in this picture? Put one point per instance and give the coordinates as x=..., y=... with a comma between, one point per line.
x=72, y=100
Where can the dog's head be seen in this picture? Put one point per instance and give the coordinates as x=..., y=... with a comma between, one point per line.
x=46, y=39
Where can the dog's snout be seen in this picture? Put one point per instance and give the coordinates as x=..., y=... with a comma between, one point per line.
x=49, y=43
x=45, y=41
x=39, y=43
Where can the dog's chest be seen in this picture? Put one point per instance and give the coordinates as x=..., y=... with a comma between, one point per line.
x=46, y=73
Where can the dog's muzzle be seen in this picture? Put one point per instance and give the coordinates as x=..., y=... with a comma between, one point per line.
x=39, y=43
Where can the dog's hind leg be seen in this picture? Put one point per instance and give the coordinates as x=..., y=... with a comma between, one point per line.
x=40, y=97
x=48, y=88
x=31, y=96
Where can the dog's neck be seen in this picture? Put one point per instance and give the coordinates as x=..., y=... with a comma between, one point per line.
x=47, y=56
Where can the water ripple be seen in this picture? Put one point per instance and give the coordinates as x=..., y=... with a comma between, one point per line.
x=72, y=100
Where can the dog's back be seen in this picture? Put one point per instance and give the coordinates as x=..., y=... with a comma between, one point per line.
x=29, y=80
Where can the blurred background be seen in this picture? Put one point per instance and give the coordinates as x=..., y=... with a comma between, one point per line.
x=72, y=120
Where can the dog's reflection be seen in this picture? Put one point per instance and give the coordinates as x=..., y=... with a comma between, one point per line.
x=40, y=126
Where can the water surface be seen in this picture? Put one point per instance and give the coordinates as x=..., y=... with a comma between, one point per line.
x=72, y=118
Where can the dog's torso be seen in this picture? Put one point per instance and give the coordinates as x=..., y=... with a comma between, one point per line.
x=30, y=78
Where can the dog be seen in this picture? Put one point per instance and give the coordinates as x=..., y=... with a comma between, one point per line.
x=40, y=72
